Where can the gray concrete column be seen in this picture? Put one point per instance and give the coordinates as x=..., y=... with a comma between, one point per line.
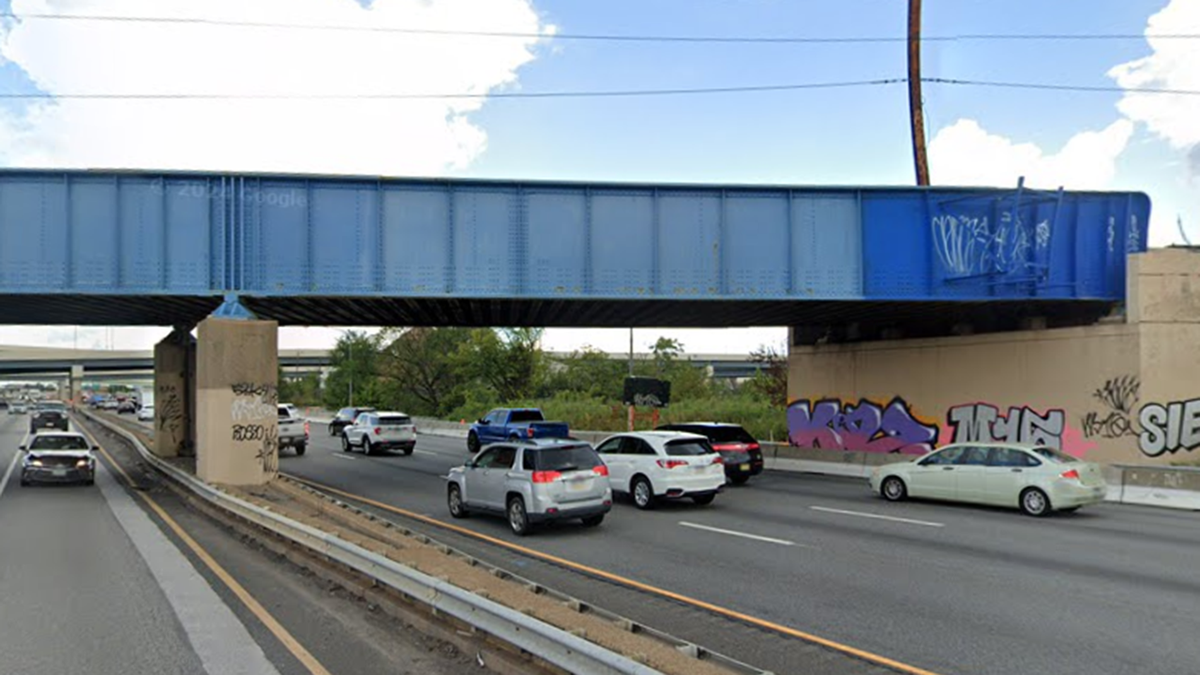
x=75, y=384
x=237, y=423
x=174, y=395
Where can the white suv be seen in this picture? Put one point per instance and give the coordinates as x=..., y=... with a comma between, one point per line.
x=373, y=431
x=653, y=465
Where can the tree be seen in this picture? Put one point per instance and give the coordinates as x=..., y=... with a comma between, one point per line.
x=588, y=371
x=422, y=368
x=770, y=383
x=509, y=360
x=666, y=351
x=354, y=368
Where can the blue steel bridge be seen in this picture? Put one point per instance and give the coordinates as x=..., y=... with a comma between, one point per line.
x=165, y=248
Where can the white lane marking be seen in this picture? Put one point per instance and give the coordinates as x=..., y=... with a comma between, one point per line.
x=219, y=639
x=341, y=456
x=770, y=540
x=12, y=465
x=894, y=519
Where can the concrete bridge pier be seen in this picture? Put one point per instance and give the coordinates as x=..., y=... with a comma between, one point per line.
x=174, y=394
x=237, y=422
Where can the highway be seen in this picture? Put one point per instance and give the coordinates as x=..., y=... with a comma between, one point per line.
x=91, y=581
x=956, y=590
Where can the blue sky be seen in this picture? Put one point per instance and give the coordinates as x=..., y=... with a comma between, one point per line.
x=848, y=136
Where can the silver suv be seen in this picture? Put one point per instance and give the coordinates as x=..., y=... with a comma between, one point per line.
x=532, y=482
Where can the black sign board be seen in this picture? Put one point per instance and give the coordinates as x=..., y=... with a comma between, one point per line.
x=647, y=391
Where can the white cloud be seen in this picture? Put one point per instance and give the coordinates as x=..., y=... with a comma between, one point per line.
x=342, y=136
x=965, y=153
x=1173, y=64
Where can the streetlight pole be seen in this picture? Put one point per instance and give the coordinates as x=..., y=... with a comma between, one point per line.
x=915, y=115
x=350, y=368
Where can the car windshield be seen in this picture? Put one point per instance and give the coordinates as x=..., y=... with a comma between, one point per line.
x=1055, y=455
x=688, y=447
x=525, y=416
x=58, y=443
x=570, y=458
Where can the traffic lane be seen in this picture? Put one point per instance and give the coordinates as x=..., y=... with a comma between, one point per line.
x=335, y=627
x=893, y=587
x=77, y=597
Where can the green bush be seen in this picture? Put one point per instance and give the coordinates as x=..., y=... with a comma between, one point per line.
x=587, y=413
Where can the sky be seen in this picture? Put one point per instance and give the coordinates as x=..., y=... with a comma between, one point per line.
x=977, y=135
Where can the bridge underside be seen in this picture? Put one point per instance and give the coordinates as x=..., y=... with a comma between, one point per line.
x=832, y=319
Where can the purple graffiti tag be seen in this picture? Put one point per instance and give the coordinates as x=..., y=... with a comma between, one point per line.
x=863, y=427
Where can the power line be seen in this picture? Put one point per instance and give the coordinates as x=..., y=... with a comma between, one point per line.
x=602, y=37
x=615, y=93
x=1062, y=87
x=425, y=96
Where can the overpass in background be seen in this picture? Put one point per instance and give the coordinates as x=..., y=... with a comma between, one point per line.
x=17, y=362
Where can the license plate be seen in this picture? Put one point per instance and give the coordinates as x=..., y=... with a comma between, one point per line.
x=60, y=472
x=577, y=486
x=744, y=467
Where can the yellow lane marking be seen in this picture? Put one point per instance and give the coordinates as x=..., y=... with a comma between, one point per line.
x=624, y=581
x=302, y=655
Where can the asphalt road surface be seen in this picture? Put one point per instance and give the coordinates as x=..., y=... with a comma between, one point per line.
x=92, y=582
x=953, y=589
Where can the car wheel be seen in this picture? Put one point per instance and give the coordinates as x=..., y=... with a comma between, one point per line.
x=332, y=431
x=472, y=443
x=366, y=446
x=1035, y=503
x=704, y=500
x=300, y=449
x=513, y=438
x=593, y=521
x=643, y=494
x=893, y=489
x=739, y=479
x=455, y=501
x=518, y=519
x=408, y=450
x=345, y=443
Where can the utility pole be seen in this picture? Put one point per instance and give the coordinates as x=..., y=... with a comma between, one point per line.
x=350, y=368
x=632, y=413
x=916, y=116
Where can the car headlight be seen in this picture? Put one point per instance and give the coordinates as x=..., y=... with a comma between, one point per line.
x=35, y=462
x=82, y=464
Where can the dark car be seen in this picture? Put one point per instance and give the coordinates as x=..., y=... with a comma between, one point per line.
x=345, y=418
x=740, y=451
x=127, y=406
x=48, y=415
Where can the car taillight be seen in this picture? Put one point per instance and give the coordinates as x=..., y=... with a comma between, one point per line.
x=753, y=446
x=601, y=470
x=529, y=430
x=718, y=460
x=1070, y=475
x=378, y=430
x=671, y=463
x=305, y=427
x=546, y=476
x=730, y=447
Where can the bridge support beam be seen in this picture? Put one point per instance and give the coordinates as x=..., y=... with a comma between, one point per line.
x=75, y=384
x=175, y=394
x=237, y=423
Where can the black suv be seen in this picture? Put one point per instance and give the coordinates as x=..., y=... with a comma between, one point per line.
x=345, y=418
x=740, y=451
x=48, y=415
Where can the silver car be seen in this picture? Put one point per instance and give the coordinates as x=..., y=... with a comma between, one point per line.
x=1035, y=479
x=531, y=482
x=58, y=457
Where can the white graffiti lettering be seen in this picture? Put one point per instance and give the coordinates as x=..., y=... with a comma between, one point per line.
x=980, y=422
x=1169, y=428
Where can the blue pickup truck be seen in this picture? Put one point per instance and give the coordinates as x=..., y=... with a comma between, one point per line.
x=507, y=424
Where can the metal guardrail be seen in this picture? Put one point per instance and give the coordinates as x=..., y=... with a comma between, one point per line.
x=554, y=645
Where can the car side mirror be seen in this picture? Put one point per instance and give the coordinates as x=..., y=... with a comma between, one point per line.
x=20, y=447
x=96, y=447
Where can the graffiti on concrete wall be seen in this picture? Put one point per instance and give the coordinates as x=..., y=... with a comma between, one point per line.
x=255, y=418
x=982, y=422
x=1117, y=398
x=1169, y=428
x=865, y=426
x=169, y=410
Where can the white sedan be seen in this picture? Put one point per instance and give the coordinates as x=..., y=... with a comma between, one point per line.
x=1035, y=479
x=653, y=465
x=146, y=414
